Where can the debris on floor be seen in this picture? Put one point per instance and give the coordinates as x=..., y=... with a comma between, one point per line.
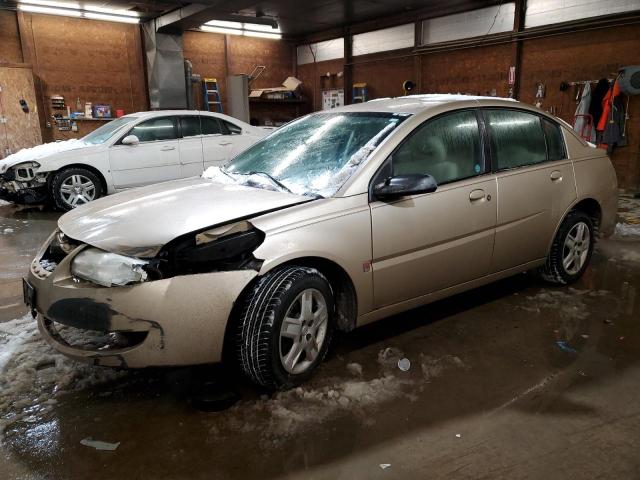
x=354, y=369
x=389, y=357
x=32, y=374
x=404, y=364
x=565, y=348
x=433, y=367
x=99, y=445
x=384, y=466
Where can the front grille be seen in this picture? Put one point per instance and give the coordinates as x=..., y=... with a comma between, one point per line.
x=93, y=340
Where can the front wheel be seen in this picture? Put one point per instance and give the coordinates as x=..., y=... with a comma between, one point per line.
x=75, y=186
x=285, y=327
x=571, y=250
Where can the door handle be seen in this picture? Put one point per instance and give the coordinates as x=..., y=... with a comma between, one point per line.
x=476, y=195
x=224, y=144
x=167, y=149
x=556, y=176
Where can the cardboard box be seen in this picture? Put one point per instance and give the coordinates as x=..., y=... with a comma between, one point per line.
x=288, y=88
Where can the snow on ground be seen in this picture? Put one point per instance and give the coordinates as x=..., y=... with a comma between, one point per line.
x=288, y=413
x=629, y=212
x=626, y=230
x=33, y=375
x=4, y=203
x=432, y=367
x=570, y=305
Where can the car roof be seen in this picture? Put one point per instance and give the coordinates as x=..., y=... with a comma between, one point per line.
x=419, y=103
x=159, y=113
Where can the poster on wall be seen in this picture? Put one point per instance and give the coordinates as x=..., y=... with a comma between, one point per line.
x=332, y=98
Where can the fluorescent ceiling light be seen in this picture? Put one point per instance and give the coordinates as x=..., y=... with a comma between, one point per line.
x=51, y=3
x=49, y=10
x=222, y=23
x=68, y=12
x=230, y=31
x=110, y=18
x=113, y=11
x=236, y=31
x=261, y=28
x=83, y=7
x=275, y=36
x=241, y=28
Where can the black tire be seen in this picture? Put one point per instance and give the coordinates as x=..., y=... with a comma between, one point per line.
x=553, y=270
x=258, y=340
x=63, y=175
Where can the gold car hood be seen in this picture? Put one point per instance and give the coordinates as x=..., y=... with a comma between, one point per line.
x=139, y=222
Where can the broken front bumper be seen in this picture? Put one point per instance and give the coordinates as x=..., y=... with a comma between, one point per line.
x=27, y=196
x=176, y=321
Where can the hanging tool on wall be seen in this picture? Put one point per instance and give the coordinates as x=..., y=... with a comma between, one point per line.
x=211, y=95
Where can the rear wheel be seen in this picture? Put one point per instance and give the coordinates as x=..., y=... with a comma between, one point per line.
x=75, y=186
x=571, y=250
x=285, y=327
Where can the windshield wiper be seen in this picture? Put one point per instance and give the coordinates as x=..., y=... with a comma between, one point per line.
x=226, y=173
x=275, y=181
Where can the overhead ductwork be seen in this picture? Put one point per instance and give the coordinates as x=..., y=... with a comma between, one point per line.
x=165, y=68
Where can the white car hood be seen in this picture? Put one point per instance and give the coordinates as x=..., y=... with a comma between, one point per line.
x=139, y=222
x=41, y=152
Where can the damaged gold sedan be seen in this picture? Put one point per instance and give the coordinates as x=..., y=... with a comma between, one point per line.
x=336, y=220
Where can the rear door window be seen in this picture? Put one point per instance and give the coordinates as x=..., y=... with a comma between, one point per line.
x=210, y=126
x=190, y=126
x=229, y=128
x=555, y=140
x=517, y=138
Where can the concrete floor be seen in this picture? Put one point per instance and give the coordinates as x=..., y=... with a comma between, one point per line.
x=490, y=393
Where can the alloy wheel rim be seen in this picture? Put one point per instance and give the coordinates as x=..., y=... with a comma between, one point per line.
x=77, y=190
x=303, y=331
x=576, y=248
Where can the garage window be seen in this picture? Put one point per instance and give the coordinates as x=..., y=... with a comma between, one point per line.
x=155, y=130
x=190, y=126
x=448, y=148
x=517, y=138
x=210, y=126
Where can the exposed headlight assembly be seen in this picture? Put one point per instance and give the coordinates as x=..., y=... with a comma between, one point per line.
x=24, y=172
x=229, y=247
x=108, y=269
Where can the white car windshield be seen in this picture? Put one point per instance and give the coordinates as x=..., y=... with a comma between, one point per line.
x=106, y=131
x=312, y=156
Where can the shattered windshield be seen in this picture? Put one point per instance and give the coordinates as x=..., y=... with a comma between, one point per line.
x=314, y=155
x=104, y=133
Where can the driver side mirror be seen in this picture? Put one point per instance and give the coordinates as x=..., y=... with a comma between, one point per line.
x=404, y=185
x=130, y=140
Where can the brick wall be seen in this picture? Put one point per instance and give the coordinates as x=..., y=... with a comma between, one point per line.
x=569, y=57
x=10, y=51
x=586, y=56
x=98, y=62
x=206, y=51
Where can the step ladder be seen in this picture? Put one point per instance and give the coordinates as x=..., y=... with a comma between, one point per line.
x=360, y=93
x=211, y=95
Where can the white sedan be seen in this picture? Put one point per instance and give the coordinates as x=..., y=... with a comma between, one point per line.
x=131, y=151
